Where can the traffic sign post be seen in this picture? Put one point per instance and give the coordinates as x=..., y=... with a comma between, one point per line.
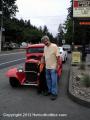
x=63, y=41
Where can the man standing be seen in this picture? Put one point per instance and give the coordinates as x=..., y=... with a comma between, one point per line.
x=52, y=59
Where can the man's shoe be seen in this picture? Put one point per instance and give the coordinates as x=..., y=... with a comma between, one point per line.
x=53, y=97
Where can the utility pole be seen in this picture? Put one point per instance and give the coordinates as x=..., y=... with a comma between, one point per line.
x=1, y=28
x=73, y=38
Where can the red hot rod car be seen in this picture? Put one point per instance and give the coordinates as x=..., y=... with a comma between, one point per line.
x=28, y=75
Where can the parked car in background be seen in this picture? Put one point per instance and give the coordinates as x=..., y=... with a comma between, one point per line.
x=78, y=48
x=23, y=45
x=87, y=49
x=14, y=45
x=63, y=54
x=67, y=47
x=7, y=46
x=10, y=46
x=28, y=75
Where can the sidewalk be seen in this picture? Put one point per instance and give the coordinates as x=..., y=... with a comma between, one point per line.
x=76, y=92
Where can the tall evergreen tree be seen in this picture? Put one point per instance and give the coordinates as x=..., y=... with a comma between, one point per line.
x=9, y=8
x=60, y=35
x=45, y=30
x=69, y=25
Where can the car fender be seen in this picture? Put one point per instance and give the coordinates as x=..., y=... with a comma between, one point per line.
x=59, y=70
x=14, y=73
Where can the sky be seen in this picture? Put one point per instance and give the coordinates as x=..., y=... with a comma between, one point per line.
x=44, y=12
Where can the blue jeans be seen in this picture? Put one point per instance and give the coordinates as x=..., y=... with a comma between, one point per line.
x=51, y=78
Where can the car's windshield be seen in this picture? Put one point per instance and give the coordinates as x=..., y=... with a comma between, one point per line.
x=35, y=50
x=66, y=46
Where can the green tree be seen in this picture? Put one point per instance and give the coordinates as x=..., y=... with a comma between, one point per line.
x=9, y=8
x=60, y=35
x=68, y=25
x=45, y=30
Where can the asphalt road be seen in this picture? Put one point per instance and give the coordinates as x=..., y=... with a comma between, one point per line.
x=11, y=58
x=25, y=104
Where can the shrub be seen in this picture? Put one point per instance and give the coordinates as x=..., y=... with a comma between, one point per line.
x=86, y=80
x=82, y=66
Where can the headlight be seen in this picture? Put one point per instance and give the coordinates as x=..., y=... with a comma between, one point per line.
x=20, y=69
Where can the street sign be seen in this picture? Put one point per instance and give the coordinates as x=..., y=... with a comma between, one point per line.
x=63, y=41
x=76, y=57
x=84, y=23
x=81, y=8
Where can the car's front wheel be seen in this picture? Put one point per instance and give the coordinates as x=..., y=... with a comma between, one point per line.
x=14, y=82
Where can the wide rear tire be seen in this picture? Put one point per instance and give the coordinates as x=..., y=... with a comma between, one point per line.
x=14, y=82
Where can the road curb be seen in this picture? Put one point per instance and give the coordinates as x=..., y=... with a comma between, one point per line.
x=72, y=95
